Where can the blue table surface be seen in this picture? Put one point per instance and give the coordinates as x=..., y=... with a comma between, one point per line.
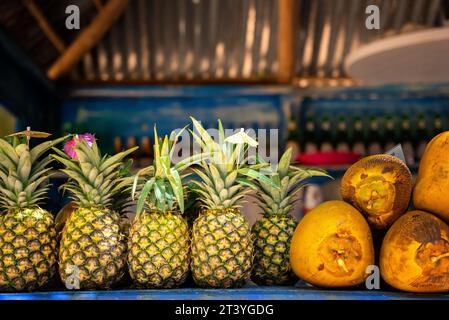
x=246, y=293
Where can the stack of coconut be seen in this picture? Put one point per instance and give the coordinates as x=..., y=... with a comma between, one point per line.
x=333, y=244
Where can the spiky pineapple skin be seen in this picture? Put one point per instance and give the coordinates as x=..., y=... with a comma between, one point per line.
x=28, y=253
x=93, y=241
x=159, y=253
x=222, y=249
x=272, y=238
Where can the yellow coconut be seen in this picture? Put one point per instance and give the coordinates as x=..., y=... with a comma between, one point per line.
x=332, y=246
x=432, y=183
x=380, y=187
x=415, y=253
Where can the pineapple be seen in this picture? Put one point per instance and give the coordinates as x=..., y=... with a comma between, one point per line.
x=92, y=253
x=27, y=232
x=159, y=253
x=222, y=248
x=273, y=233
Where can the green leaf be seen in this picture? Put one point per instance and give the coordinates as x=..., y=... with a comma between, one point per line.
x=9, y=151
x=6, y=163
x=116, y=158
x=114, y=167
x=198, y=140
x=257, y=176
x=203, y=176
x=96, y=152
x=24, y=166
x=83, y=148
x=157, y=151
x=159, y=193
x=69, y=164
x=38, y=174
x=174, y=138
x=260, y=160
x=190, y=161
x=176, y=184
x=143, y=195
x=133, y=191
x=165, y=150
x=276, y=179
x=141, y=172
x=312, y=172
x=247, y=183
x=284, y=162
x=41, y=165
x=126, y=168
x=215, y=173
x=230, y=179
x=40, y=149
x=221, y=134
x=203, y=133
x=235, y=158
x=60, y=153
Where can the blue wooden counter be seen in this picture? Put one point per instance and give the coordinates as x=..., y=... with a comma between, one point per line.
x=249, y=293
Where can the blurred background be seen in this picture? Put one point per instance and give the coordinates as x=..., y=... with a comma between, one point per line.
x=335, y=88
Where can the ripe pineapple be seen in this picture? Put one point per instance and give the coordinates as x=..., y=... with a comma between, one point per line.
x=273, y=233
x=222, y=248
x=27, y=232
x=159, y=254
x=93, y=246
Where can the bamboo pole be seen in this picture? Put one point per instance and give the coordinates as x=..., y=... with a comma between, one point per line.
x=45, y=26
x=88, y=38
x=285, y=41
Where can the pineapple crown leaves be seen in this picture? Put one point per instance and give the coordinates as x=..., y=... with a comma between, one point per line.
x=227, y=176
x=291, y=179
x=122, y=201
x=161, y=184
x=23, y=172
x=94, y=180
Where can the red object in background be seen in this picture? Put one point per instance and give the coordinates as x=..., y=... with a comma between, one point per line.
x=328, y=158
x=312, y=197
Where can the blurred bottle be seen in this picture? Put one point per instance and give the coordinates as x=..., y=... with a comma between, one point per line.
x=391, y=135
x=146, y=152
x=310, y=137
x=118, y=145
x=359, y=142
x=374, y=146
x=131, y=142
x=326, y=135
x=407, y=145
x=425, y=132
x=437, y=125
x=350, y=134
x=382, y=132
x=294, y=137
x=342, y=143
x=444, y=121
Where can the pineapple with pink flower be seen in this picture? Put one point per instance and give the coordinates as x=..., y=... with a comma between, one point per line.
x=93, y=246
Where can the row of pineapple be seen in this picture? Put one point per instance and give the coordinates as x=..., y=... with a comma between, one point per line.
x=94, y=251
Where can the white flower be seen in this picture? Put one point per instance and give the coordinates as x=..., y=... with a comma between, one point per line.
x=241, y=137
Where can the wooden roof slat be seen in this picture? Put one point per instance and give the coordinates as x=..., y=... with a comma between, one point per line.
x=88, y=38
x=45, y=26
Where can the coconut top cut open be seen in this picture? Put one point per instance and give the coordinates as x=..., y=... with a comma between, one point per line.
x=380, y=186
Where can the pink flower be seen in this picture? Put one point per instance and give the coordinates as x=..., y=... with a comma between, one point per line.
x=69, y=147
x=89, y=138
